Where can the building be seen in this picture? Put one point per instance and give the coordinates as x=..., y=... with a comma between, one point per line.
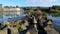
x=12, y=11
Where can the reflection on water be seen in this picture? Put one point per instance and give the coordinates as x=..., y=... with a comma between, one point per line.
x=56, y=20
x=5, y=18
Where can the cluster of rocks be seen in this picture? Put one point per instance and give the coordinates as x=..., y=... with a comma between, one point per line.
x=39, y=26
x=35, y=26
x=32, y=25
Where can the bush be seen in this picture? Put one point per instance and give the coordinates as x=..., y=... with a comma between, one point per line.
x=1, y=26
x=16, y=24
x=20, y=29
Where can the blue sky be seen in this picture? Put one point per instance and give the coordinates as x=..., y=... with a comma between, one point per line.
x=45, y=3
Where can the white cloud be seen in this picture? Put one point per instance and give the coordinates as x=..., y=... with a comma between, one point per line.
x=31, y=1
x=39, y=1
x=47, y=0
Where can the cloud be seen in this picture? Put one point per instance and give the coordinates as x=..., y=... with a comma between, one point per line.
x=47, y=0
x=39, y=1
x=31, y=1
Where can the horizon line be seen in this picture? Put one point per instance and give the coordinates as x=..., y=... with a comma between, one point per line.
x=28, y=6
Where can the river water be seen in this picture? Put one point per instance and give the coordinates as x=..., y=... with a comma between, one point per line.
x=56, y=20
x=5, y=18
x=55, y=23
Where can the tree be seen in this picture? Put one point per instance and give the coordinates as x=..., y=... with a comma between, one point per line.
x=17, y=6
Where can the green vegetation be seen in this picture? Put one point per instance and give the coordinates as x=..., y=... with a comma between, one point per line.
x=34, y=11
x=1, y=26
x=20, y=29
x=45, y=14
x=56, y=10
x=16, y=24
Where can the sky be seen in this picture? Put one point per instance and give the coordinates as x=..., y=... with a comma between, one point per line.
x=25, y=3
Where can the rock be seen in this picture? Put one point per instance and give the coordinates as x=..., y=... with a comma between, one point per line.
x=49, y=29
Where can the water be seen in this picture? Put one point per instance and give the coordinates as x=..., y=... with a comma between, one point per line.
x=56, y=20
x=5, y=18
x=55, y=23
